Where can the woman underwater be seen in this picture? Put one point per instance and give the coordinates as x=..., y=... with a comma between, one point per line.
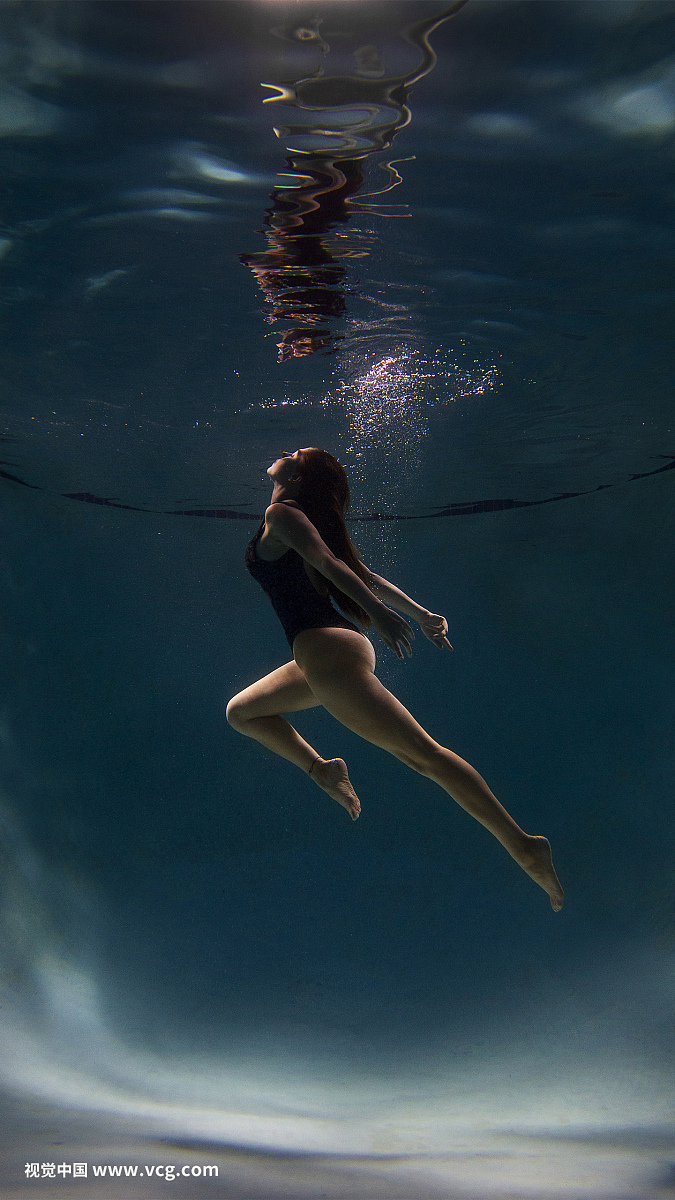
x=302, y=556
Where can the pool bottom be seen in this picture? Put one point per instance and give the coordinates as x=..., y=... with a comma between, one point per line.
x=477, y=1163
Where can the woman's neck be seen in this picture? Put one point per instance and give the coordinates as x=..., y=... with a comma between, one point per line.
x=282, y=491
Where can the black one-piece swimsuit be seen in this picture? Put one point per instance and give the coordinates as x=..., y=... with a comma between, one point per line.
x=294, y=598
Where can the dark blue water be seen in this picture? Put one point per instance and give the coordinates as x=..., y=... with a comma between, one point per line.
x=203, y=961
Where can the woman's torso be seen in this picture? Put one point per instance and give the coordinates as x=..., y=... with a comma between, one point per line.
x=294, y=588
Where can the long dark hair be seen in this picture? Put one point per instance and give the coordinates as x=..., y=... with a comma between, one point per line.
x=323, y=496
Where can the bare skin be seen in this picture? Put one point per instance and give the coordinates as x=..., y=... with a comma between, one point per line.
x=334, y=667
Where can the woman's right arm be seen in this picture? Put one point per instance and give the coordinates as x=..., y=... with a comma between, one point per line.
x=432, y=625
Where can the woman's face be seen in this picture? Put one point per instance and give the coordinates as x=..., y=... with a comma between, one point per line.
x=284, y=469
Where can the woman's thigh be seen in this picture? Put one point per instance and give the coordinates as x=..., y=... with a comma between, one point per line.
x=338, y=666
x=284, y=690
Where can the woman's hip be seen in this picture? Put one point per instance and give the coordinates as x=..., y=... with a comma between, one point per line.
x=332, y=648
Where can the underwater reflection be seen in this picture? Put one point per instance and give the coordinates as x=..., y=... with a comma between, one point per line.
x=299, y=277
x=332, y=124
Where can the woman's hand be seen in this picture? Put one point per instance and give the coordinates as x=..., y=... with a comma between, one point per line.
x=394, y=631
x=435, y=628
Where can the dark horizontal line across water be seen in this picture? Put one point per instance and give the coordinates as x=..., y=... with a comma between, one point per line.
x=457, y=509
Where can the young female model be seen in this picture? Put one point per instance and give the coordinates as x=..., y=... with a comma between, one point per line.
x=302, y=556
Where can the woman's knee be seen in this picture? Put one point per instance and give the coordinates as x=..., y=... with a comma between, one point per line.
x=236, y=713
x=422, y=755
x=445, y=767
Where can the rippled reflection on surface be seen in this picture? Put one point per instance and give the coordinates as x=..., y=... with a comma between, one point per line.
x=332, y=123
x=138, y=158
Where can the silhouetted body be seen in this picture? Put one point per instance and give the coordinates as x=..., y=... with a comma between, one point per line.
x=301, y=555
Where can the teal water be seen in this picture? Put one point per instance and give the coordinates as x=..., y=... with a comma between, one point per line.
x=202, y=961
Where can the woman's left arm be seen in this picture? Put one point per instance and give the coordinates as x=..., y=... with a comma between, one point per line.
x=432, y=625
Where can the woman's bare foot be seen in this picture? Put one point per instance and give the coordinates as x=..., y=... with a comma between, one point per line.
x=331, y=776
x=536, y=860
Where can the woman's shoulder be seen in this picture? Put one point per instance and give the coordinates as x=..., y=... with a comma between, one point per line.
x=279, y=511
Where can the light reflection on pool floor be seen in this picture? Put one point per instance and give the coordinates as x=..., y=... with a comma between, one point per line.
x=596, y=1129
x=577, y=1125
x=479, y=1161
